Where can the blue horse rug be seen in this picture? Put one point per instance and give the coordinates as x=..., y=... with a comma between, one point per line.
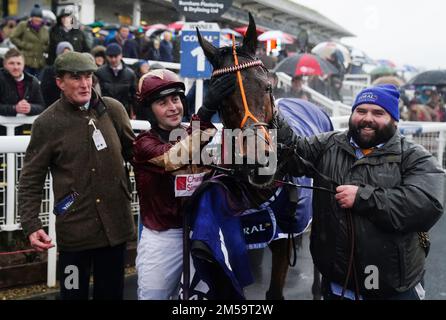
x=228, y=235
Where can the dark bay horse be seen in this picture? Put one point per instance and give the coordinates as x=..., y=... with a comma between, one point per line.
x=251, y=108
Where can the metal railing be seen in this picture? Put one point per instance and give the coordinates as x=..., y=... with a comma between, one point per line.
x=12, y=148
x=167, y=65
x=333, y=108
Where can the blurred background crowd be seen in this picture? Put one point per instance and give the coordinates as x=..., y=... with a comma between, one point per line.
x=124, y=53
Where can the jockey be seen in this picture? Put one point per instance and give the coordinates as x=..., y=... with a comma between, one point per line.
x=162, y=97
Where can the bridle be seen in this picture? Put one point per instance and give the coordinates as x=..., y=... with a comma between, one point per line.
x=236, y=68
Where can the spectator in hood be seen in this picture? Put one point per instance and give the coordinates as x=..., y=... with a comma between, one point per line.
x=66, y=30
x=98, y=53
x=31, y=37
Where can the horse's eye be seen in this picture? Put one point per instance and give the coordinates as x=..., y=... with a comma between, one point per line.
x=269, y=88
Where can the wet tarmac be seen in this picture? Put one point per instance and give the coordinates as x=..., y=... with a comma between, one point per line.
x=300, y=277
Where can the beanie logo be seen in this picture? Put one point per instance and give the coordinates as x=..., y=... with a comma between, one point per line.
x=367, y=96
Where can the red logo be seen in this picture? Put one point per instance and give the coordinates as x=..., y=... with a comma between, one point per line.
x=181, y=183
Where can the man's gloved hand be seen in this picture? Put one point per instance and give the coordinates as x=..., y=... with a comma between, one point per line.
x=284, y=133
x=219, y=89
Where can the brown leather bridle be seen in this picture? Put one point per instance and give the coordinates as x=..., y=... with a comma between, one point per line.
x=237, y=68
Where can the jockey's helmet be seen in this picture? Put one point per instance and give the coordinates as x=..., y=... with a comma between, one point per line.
x=157, y=84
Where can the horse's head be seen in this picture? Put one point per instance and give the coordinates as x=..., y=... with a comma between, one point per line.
x=251, y=107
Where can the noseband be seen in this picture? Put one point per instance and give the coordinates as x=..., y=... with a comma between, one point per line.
x=236, y=68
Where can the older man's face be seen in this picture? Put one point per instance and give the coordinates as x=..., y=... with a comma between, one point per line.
x=371, y=125
x=76, y=87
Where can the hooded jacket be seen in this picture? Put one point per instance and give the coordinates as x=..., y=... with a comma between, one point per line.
x=74, y=36
x=33, y=44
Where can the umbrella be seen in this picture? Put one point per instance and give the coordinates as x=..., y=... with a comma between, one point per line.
x=230, y=31
x=408, y=68
x=386, y=62
x=48, y=15
x=389, y=80
x=155, y=29
x=359, y=57
x=177, y=25
x=97, y=24
x=305, y=64
x=242, y=30
x=276, y=35
x=431, y=77
x=383, y=71
x=111, y=26
x=156, y=26
x=332, y=50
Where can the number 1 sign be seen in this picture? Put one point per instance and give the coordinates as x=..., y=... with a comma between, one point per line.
x=193, y=61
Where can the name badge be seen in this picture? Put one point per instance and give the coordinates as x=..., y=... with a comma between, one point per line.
x=97, y=136
x=186, y=184
x=99, y=140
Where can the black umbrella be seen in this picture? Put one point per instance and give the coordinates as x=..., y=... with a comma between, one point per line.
x=305, y=65
x=432, y=77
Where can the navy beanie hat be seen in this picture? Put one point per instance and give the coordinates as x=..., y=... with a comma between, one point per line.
x=113, y=49
x=384, y=95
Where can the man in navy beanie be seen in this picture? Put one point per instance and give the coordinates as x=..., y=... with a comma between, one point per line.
x=369, y=237
x=375, y=122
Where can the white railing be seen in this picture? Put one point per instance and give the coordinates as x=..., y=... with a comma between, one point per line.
x=167, y=65
x=350, y=89
x=333, y=108
x=14, y=147
x=430, y=135
x=364, y=79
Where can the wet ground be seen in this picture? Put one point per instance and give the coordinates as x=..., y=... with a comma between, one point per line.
x=300, y=277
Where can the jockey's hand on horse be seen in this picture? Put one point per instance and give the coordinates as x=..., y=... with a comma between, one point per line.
x=219, y=89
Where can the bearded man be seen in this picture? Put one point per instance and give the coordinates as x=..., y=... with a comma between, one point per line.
x=368, y=237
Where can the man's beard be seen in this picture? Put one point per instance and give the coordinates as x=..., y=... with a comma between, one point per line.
x=381, y=135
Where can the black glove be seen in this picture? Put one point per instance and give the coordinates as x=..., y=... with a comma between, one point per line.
x=219, y=89
x=285, y=134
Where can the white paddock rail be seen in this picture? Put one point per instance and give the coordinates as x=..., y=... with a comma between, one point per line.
x=429, y=134
x=12, y=146
x=333, y=108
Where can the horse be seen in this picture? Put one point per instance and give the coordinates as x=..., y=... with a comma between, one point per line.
x=250, y=108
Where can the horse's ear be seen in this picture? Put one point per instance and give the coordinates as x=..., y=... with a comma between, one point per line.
x=209, y=50
x=250, y=39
